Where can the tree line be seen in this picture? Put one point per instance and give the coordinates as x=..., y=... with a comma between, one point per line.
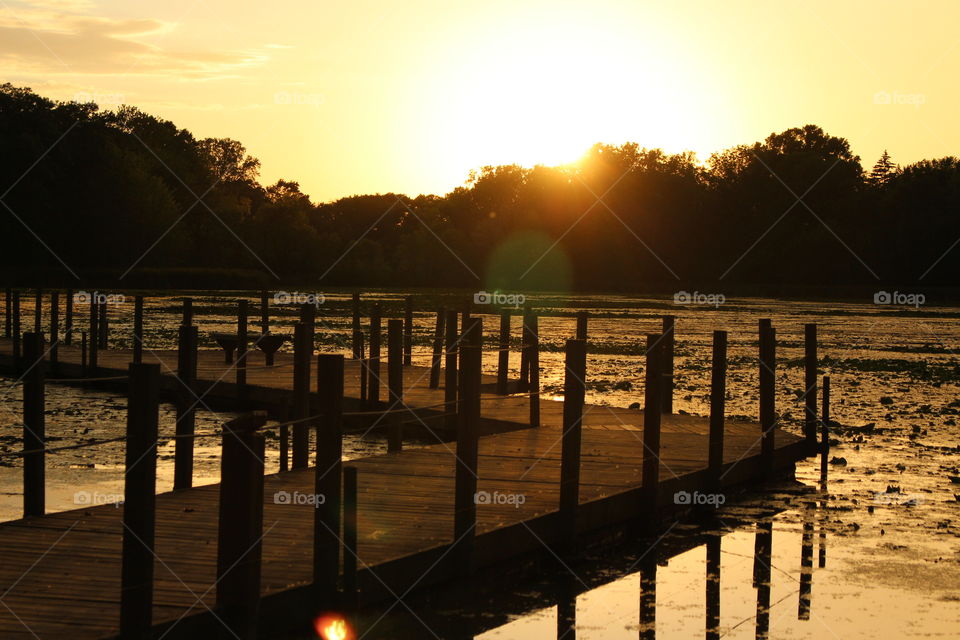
x=124, y=196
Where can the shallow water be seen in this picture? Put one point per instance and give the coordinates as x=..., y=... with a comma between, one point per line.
x=891, y=519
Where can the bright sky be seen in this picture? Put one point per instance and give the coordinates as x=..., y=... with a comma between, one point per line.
x=376, y=96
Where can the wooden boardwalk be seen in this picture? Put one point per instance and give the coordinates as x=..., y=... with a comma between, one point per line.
x=60, y=573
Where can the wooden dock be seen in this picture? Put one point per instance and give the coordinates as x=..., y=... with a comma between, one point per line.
x=60, y=574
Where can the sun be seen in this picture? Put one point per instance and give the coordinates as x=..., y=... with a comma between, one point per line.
x=545, y=89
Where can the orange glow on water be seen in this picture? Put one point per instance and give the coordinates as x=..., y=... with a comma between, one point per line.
x=333, y=627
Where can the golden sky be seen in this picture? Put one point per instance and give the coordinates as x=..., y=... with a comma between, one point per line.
x=373, y=96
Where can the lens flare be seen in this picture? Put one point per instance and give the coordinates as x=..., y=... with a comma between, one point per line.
x=333, y=627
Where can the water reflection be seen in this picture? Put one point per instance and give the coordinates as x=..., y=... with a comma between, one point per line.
x=613, y=594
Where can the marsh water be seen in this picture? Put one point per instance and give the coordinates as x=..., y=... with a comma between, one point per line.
x=872, y=553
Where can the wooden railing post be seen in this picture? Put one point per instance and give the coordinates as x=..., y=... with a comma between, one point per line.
x=350, y=549
x=437, y=360
x=651, y=429
x=810, y=383
x=408, y=332
x=186, y=413
x=34, y=426
x=138, y=329
x=450, y=371
x=373, y=370
x=327, y=477
x=68, y=320
x=825, y=420
x=83, y=354
x=264, y=313
x=395, y=384
x=17, y=338
x=666, y=365
x=242, y=345
x=104, y=324
x=139, y=501
x=582, y=325
x=187, y=317
x=8, y=312
x=468, y=414
x=302, y=355
x=240, y=527
x=574, y=390
x=533, y=361
x=768, y=415
x=718, y=399
x=38, y=312
x=93, y=337
x=54, y=330
x=525, y=341
x=503, y=356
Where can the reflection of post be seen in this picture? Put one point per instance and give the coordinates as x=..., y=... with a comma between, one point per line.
x=567, y=610
x=713, y=587
x=822, y=555
x=825, y=430
x=806, y=563
x=648, y=595
x=761, y=566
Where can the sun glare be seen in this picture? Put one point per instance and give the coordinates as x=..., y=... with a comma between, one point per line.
x=543, y=93
x=332, y=627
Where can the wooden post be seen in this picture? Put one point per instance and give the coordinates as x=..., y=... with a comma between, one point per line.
x=186, y=414
x=810, y=382
x=242, y=344
x=264, y=313
x=240, y=524
x=357, y=330
x=83, y=354
x=350, y=550
x=326, y=523
x=524, y=350
x=533, y=361
x=138, y=329
x=38, y=312
x=713, y=587
x=435, y=363
x=302, y=355
x=573, y=396
x=450, y=372
x=718, y=399
x=395, y=357
x=651, y=429
x=68, y=322
x=34, y=425
x=825, y=421
x=54, y=330
x=373, y=370
x=768, y=415
x=187, y=311
x=139, y=501
x=582, y=325
x=104, y=325
x=359, y=352
x=468, y=414
x=93, y=337
x=8, y=313
x=666, y=364
x=503, y=356
x=17, y=364
x=408, y=332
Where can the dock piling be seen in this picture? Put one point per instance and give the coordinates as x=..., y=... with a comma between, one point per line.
x=437, y=360
x=666, y=364
x=718, y=399
x=395, y=356
x=187, y=317
x=533, y=363
x=408, y=332
x=302, y=355
x=7, y=312
x=582, y=325
x=54, y=330
x=186, y=414
x=503, y=355
x=17, y=338
x=68, y=320
x=139, y=501
x=242, y=353
x=93, y=336
x=574, y=390
x=240, y=530
x=327, y=477
x=373, y=369
x=104, y=325
x=350, y=550
x=450, y=371
x=34, y=426
x=264, y=313
x=38, y=312
x=468, y=414
x=810, y=383
x=138, y=329
x=768, y=416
